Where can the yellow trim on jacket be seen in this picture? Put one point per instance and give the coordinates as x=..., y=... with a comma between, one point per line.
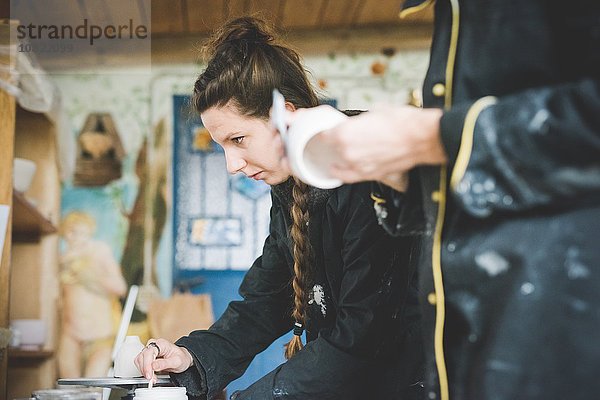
x=413, y=10
x=466, y=141
x=438, y=284
x=436, y=254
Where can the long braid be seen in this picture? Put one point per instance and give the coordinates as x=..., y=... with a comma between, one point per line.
x=302, y=263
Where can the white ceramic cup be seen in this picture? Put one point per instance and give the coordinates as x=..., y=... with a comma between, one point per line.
x=310, y=159
x=23, y=172
x=125, y=358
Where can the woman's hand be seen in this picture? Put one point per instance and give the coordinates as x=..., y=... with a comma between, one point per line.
x=163, y=356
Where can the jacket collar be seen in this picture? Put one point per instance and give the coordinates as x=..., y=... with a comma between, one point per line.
x=316, y=197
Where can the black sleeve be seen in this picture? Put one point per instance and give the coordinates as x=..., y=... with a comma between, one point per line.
x=223, y=352
x=537, y=148
x=330, y=366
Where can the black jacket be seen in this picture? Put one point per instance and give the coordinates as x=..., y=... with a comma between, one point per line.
x=510, y=275
x=363, y=322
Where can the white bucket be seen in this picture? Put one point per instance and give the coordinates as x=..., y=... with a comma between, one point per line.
x=161, y=393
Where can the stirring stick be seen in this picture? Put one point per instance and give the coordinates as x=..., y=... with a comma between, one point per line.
x=151, y=383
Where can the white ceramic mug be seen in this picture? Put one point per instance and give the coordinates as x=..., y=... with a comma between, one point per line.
x=310, y=158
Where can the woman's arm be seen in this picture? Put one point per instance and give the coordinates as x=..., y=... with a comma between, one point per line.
x=223, y=352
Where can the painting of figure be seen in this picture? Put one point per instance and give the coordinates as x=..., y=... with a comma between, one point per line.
x=91, y=284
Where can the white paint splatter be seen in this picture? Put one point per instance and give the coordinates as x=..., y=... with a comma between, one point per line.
x=527, y=288
x=492, y=263
x=538, y=122
x=575, y=268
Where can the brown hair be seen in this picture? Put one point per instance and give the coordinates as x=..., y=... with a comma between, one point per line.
x=244, y=65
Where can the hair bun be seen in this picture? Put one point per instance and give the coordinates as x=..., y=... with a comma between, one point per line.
x=248, y=29
x=238, y=31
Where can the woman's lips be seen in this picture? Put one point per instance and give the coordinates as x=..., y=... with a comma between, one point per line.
x=256, y=176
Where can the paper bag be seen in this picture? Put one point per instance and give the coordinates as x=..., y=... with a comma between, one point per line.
x=179, y=315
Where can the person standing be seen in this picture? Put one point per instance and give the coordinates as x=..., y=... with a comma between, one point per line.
x=500, y=172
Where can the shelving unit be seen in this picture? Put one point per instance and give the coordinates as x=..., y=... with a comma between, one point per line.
x=34, y=263
x=28, y=222
x=28, y=355
x=29, y=286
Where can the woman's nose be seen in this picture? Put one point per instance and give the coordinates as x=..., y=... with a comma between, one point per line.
x=234, y=163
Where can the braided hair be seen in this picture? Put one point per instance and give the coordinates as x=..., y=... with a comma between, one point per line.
x=244, y=65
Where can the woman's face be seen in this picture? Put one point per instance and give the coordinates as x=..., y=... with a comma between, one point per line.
x=250, y=145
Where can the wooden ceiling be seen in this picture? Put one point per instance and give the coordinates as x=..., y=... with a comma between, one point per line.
x=201, y=16
x=177, y=26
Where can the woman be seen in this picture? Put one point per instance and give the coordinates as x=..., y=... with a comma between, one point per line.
x=326, y=267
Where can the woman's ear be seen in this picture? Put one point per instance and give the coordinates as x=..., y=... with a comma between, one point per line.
x=289, y=106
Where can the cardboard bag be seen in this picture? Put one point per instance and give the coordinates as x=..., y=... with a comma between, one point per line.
x=179, y=315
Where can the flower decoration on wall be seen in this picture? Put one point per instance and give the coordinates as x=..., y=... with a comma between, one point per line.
x=378, y=68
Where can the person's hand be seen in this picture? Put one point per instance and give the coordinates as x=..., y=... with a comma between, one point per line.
x=385, y=143
x=164, y=356
x=397, y=181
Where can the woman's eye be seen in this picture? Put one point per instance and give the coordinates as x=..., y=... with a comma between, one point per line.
x=237, y=140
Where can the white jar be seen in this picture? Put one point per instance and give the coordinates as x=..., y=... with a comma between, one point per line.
x=124, y=360
x=161, y=393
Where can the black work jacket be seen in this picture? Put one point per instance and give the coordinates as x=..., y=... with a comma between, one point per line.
x=510, y=273
x=363, y=324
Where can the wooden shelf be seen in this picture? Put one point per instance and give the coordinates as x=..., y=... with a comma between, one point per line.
x=28, y=223
x=21, y=354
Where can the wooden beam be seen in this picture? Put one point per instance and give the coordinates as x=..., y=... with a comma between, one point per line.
x=7, y=130
x=380, y=11
x=203, y=16
x=302, y=14
x=167, y=16
x=4, y=9
x=183, y=49
x=338, y=13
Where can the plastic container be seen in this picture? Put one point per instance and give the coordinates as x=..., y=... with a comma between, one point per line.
x=161, y=393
